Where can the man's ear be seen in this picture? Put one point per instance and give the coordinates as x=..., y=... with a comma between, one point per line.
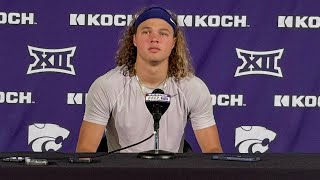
x=134, y=40
x=174, y=42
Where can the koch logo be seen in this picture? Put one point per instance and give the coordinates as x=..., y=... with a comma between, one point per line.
x=183, y=20
x=259, y=62
x=51, y=60
x=100, y=20
x=76, y=98
x=212, y=21
x=227, y=100
x=299, y=22
x=253, y=139
x=296, y=101
x=16, y=18
x=16, y=98
x=46, y=137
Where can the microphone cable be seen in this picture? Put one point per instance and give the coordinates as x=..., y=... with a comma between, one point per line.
x=75, y=158
x=126, y=147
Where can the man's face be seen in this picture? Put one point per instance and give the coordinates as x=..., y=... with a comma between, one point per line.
x=154, y=40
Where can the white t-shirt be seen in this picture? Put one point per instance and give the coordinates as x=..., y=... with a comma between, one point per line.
x=118, y=102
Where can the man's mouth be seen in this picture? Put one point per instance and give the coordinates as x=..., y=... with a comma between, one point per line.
x=154, y=49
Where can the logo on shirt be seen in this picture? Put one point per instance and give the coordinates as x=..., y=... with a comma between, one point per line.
x=259, y=62
x=51, y=60
x=46, y=137
x=253, y=139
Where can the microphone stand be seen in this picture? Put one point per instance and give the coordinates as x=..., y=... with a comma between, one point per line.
x=156, y=153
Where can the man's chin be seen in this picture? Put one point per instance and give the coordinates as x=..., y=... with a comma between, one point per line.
x=156, y=62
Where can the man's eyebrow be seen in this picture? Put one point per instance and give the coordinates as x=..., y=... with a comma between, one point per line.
x=146, y=27
x=164, y=29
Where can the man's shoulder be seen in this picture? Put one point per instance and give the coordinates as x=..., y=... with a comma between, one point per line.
x=111, y=80
x=112, y=77
x=192, y=87
x=190, y=82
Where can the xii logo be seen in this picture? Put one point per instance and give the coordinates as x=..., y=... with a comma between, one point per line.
x=259, y=62
x=51, y=60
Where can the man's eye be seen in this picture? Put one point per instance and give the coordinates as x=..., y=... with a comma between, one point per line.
x=163, y=34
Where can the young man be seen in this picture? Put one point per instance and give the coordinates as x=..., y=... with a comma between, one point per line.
x=153, y=54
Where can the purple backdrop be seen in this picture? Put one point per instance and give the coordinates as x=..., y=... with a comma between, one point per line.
x=258, y=58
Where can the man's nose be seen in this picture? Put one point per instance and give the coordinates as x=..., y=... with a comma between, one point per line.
x=154, y=37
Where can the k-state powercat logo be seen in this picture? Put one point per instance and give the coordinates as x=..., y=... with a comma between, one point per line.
x=51, y=60
x=253, y=139
x=46, y=137
x=259, y=62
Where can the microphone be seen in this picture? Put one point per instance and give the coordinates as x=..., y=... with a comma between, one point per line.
x=157, y=103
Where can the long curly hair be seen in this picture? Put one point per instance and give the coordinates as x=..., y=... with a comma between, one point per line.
x=179, y=60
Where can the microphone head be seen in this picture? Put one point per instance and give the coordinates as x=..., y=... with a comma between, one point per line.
x=158, y=91
x=157, y=103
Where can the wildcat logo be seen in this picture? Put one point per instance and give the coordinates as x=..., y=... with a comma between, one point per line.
x=46, y=137
x=51, y=60
x=253, y=139
x=259, y=62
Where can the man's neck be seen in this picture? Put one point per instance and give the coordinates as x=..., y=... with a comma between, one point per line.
x=151, y=75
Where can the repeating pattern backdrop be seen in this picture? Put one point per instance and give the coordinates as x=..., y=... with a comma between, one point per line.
x=259, y=60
